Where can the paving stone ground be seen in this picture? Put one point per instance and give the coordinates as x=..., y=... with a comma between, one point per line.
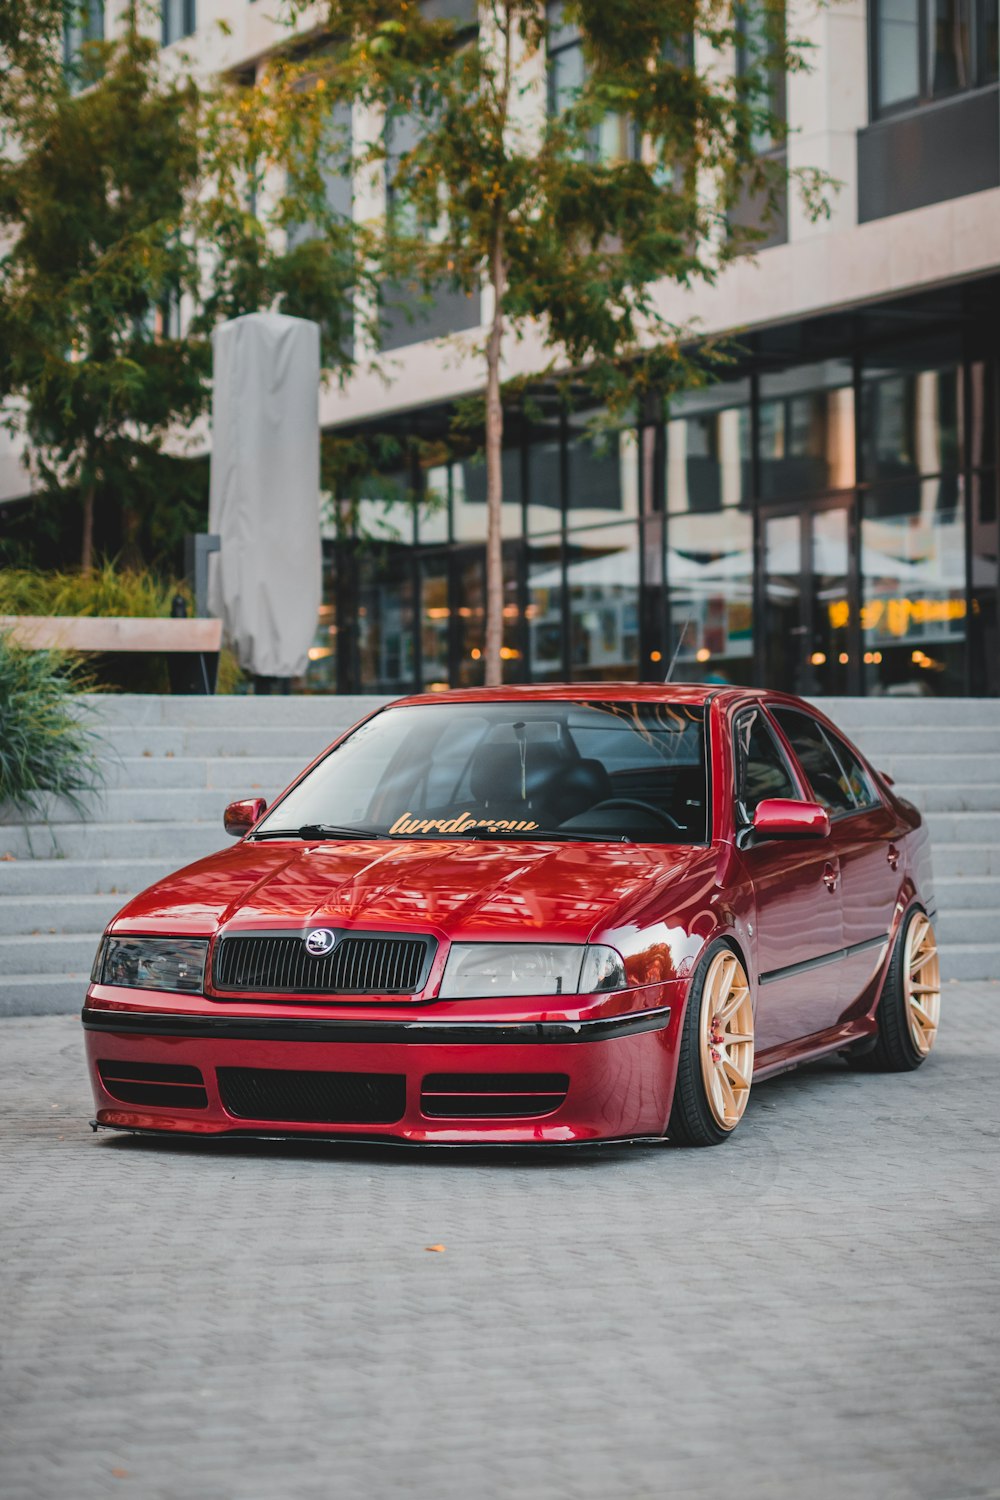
x=810, y=1311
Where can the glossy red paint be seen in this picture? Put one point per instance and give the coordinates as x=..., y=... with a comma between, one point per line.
x=790, y=903
x=240, y=817
x=781, y=818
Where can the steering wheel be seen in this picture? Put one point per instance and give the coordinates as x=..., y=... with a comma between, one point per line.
x=648, y=807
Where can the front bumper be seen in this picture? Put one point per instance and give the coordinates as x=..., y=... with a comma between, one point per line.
x=618, y=1071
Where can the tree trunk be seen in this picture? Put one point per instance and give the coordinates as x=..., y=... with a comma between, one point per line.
x=494, y=469
x=87, y=540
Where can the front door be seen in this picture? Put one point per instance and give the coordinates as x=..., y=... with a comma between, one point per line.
x=805, y=571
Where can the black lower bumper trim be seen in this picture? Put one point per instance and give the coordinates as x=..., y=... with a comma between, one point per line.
x=416, y=1031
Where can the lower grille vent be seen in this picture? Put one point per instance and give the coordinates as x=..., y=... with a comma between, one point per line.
x=313, y=1098
x=491, y=1095
x=160, y=1084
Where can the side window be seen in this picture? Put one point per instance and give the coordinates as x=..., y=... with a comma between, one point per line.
x=761, y=768
x=858, y=778
x=814, y=753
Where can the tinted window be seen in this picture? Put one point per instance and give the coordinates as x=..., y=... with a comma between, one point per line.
x=761, y=769
x=815, y=755
x=858, y=779
x=478, y=770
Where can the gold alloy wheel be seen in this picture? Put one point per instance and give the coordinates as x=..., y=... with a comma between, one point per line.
x=922, y=983
x=726, y=1039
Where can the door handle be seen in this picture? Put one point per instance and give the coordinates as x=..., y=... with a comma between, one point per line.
x=830, y=877
x=892, y=855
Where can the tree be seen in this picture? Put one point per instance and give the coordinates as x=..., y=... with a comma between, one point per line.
x=567, y=235
x=129, y=228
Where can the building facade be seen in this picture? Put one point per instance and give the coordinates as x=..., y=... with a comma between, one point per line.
x=824, y=519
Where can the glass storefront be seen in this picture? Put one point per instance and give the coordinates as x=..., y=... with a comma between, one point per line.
x=826, y=526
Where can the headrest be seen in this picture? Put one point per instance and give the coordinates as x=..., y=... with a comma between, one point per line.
x=495, y=776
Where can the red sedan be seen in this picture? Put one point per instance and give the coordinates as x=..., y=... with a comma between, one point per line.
x=540, y=914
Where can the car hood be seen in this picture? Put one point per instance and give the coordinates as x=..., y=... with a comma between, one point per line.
x=460, y=888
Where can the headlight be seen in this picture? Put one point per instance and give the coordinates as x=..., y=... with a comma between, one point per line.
x=482, y=969
x=153, y=963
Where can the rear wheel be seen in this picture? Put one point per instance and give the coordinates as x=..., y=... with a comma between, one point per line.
x=910, y=1008
x=715, y=1067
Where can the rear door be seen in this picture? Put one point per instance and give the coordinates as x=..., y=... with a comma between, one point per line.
x=863, y=832
x=797, y=896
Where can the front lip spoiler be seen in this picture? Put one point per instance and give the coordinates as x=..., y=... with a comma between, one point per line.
x=422, y=1032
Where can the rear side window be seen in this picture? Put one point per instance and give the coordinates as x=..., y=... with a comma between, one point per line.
x=858, y=778
x=761, y=768
x=836, y=786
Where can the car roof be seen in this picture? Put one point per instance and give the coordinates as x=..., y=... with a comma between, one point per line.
x=695, y=693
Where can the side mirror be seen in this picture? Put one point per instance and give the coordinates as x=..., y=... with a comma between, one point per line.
x=782, y=818
x=240, y=817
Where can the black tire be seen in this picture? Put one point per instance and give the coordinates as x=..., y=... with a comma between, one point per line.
x=894, y=1050
x=692, y=1121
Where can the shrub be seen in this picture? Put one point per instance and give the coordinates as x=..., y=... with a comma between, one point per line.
x=44, y=745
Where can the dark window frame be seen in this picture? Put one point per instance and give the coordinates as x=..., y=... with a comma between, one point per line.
x=830, y=740
x=744, y=819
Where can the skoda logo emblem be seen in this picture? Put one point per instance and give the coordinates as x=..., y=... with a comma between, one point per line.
x=320, y=941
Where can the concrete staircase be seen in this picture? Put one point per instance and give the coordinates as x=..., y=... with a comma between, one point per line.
x=174, y=763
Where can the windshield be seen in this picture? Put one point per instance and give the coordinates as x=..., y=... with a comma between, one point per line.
x=596, y=771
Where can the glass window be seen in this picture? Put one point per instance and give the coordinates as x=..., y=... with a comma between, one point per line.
x=753, y=52
x=861, y=785
x=472, y=619
x=83, y=24
x=603, y=580
x=385, y=623
x=709, y=559
x=435, y=623
x=898, y=51
x=814, y=754
x=807, y=430
x=433, y=519
x=984, y=644
x=468, y=480
x=911, y=422
x=612, y=138
x=913, y=614
x=603, y=471
x=545, y=619
x=179, y=20
x=462, y=770
x=386, y=508
x=761, y=768
x=950, y=40
x=544, y=476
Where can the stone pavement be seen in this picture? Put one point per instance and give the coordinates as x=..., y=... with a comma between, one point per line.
x=810, y=1311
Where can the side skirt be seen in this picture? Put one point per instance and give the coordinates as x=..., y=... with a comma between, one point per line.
x=808, y=1048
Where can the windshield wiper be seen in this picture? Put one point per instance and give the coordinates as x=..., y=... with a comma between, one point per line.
x=319, y=831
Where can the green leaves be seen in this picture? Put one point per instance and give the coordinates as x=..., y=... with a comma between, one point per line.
x=44, y=745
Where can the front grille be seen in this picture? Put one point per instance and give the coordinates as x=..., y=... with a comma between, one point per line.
x=169, y=1084
x=485, y=1095
x=313, y=1098
x=279, y=964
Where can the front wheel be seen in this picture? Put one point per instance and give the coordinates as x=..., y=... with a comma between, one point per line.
x=910, y=1008
x=715, y=1067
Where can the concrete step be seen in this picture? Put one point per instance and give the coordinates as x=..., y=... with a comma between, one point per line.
x=968, y=926
x=58, y=878
x=46, y=914
x=931, y=739
x=966, y=893
x=904, y=713
x=962, y=797
x=962, y=827
x=933, y=770
x=230, y=711
x=958, y=861
x=174, y=843
x=160, y=773
x=129, y=805
x=59, y=953
x=42, y=994
x=970, y=961
x=165, y=742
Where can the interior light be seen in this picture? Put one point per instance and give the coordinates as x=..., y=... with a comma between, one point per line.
x=843, y=658
x=475, y=653
x=876, y=657
x=818, y=659
x=702, y=654
x=656, y=656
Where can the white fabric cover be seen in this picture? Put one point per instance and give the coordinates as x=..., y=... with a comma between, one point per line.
x=265, y=581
